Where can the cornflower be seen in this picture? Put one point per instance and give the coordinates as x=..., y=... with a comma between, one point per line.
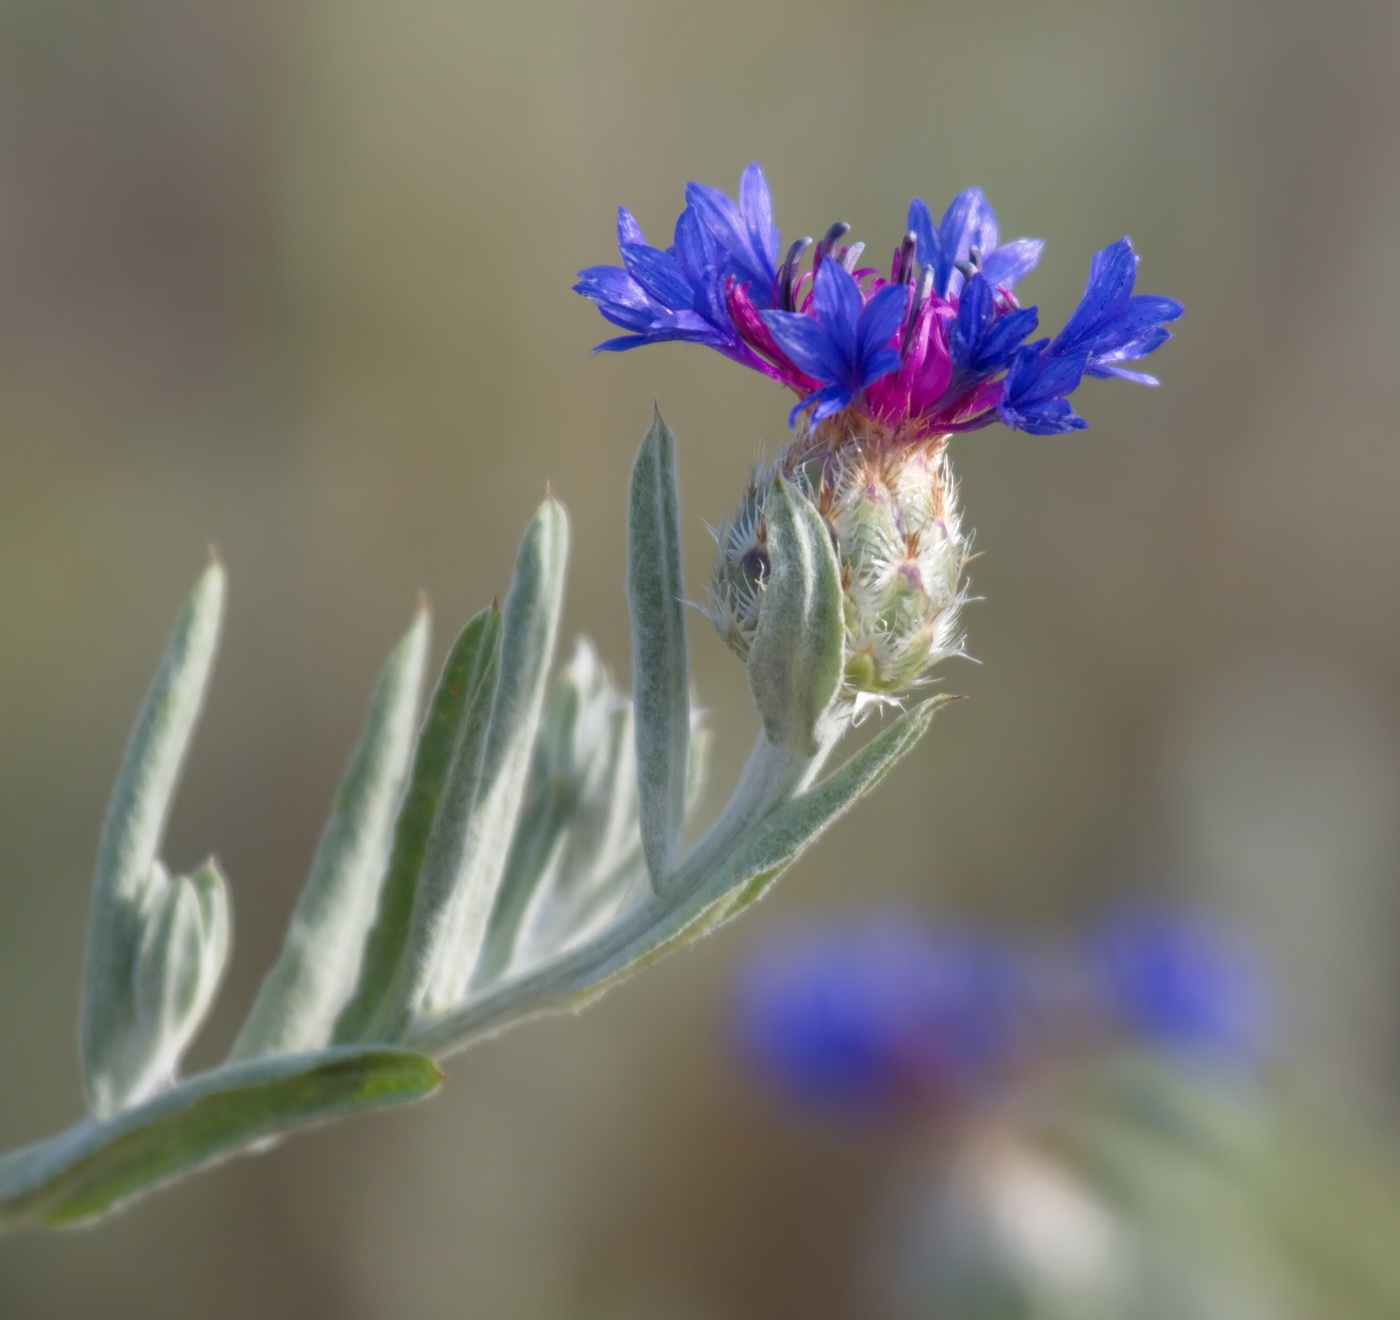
x=886, y=368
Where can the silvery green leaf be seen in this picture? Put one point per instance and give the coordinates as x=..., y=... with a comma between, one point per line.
x=97, y=1167
x=211, y=891
x=578, y=847
x=797, y=657
x=475, y=667
x=660, y=666
x=468, y=858
x=179, y=964
x=533, y=862
x=131, y=839
x=712, y=894
x=315, y=975
x=450, y=712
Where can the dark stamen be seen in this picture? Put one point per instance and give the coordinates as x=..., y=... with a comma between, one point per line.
x=787, y=274
x=829, y=240
x=922, y=292
x=906, y=260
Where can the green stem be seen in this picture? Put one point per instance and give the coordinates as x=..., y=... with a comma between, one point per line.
x=772, y=776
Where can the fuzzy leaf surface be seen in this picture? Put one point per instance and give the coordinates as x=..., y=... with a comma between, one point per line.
x=315, y=974
x=450, y=832
x=98, y=1167
x=660, y=662
x=450, y=713
x=112, y=1056
x=468, y=859
x=798, y=652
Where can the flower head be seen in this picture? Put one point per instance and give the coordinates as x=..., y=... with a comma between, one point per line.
x=936, y=346
x=885, y=366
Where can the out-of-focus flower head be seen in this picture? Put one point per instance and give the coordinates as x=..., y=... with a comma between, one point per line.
x=893, y=1010
x=939, y=344
x=883, y=1013
x=1182, y=982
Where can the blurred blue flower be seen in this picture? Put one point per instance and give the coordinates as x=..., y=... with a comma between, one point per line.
x=867, y=1016
x=1183, y=982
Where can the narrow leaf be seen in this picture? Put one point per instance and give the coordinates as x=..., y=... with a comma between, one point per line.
x=131, y=839
x=98, y=1167
x=301, y=997
x=660, y=666
x=534, y=859
x=446, y=848
x=449, y=713
x=580, y=822
x=797, y=656
x=471, y=848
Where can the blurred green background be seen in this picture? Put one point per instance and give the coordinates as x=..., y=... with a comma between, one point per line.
x=294, y=279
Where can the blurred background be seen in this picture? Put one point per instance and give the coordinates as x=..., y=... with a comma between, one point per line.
x=294, y=279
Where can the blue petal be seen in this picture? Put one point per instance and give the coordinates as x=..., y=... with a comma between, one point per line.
x=838, y=304
x=618, y=296
x=756, y=203
x=828, y=402
x=930, y=242
x=1137, y=377
x=883, y=315
x=969, y=222
x=807, y=343
x=881, y=364
x=982, y=341
x=1140, y=345
x=730, y=229
x=1013, y=261
x=1005, y=335
x=1053, y=417
x=698, y=259
x=1111, y=277
x=687, y=325
x=975, y=311
x=695, y=249
x=622, y=343
x=1037, y=376
x=629, y=232
x=658, y=273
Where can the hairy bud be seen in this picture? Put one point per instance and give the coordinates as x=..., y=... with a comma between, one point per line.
x=890, y=504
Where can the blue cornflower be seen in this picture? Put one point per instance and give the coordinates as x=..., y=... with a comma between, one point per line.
x=1182, y=982
x=865, y=1017
x=967, y=236
x=845, y=343
x=935, y=348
